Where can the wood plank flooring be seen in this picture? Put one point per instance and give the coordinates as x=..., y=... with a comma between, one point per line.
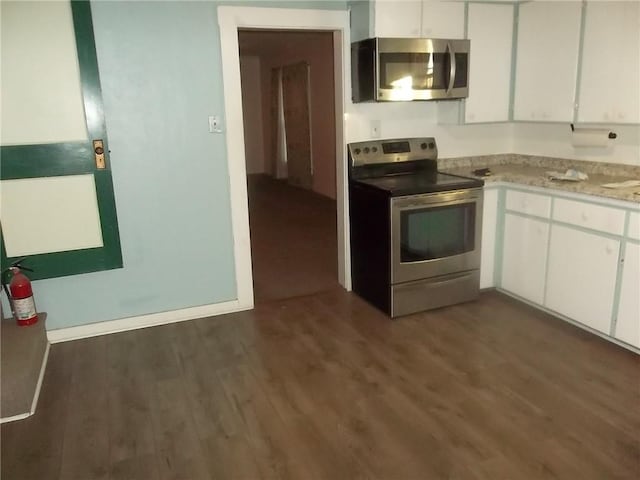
x=293, y=240
x=326, y=387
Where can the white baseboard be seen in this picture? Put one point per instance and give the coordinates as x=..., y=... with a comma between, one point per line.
x=143, y=321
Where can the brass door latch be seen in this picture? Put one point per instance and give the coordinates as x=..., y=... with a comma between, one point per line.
x=98, y=150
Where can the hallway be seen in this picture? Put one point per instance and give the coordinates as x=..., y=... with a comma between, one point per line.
x=293, y=240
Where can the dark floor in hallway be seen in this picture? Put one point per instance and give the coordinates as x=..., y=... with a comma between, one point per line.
x=293, y=240
x=326, y=387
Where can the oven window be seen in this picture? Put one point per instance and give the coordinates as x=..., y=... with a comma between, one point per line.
x=437, y=232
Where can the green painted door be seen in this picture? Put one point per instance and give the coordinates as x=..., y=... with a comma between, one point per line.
x=57, y=201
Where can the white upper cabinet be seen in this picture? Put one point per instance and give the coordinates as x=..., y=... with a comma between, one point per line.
x=397, y=19
x=610, y=72
x=547, y=61
x=442, y=19
x=418, y=18
x=490, y=29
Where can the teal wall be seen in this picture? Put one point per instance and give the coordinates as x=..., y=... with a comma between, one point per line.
x=161, y=77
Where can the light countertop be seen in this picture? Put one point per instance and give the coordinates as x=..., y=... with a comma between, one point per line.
x=529, y=170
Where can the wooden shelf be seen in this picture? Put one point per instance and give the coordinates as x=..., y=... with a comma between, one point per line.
x=23, y=360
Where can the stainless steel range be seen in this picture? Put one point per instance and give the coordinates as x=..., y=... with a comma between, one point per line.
x=415, y=232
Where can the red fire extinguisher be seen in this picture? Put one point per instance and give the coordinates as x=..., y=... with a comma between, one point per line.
x=21, y=296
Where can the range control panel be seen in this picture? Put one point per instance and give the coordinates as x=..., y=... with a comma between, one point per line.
x=393, y=150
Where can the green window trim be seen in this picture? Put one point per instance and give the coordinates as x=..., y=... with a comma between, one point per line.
x=72, y=158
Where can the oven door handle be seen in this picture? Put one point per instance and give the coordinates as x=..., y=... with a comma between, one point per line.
x=450, y=278
x=452, y=68
x=416, y=204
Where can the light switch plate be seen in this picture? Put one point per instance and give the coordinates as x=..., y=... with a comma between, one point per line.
x=215, y=126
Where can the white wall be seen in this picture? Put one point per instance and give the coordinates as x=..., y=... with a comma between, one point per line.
x=315, y=48
x=252, y=114
x=554, y=140
x=415, y=119
x=545, y=139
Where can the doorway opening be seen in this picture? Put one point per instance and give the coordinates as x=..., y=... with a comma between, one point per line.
x=288, y=102
x=231, y=19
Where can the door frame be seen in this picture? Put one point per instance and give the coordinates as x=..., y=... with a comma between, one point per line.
x=230, y=19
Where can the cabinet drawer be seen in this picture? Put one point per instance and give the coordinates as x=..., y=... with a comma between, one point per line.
x=634, y=225
x=529, y=203
x=587, y=215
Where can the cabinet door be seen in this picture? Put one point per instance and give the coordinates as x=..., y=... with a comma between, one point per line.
x=397, y=19
x=488, y=247
x=416, y=18
x=547, y=61
x=442, y=19
x=582, y=276
x=524, y=256
x=610, y=73
x=628, y=324
x=490, y=29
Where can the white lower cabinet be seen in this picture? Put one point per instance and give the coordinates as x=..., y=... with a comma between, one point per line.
x=581, y=276
x=575, y=258
x=488, y=247
x=628, y=322
x=524, y=256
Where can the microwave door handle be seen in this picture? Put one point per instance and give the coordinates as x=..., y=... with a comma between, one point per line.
x=452, y=63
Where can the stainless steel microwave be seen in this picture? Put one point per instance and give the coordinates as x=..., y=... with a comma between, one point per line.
x=405, y=69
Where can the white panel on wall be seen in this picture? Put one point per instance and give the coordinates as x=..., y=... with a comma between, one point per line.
x=49, y=214
x=39, y=57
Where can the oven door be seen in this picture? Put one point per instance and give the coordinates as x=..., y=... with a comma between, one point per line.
x=435, y=234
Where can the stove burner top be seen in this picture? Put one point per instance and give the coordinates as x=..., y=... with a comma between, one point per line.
x=423, y=182
x=402, y=167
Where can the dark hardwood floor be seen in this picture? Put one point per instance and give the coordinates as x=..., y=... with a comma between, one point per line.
x=293, y=240
x=326, y=387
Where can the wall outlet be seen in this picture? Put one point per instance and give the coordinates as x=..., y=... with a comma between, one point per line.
x=375, y=128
